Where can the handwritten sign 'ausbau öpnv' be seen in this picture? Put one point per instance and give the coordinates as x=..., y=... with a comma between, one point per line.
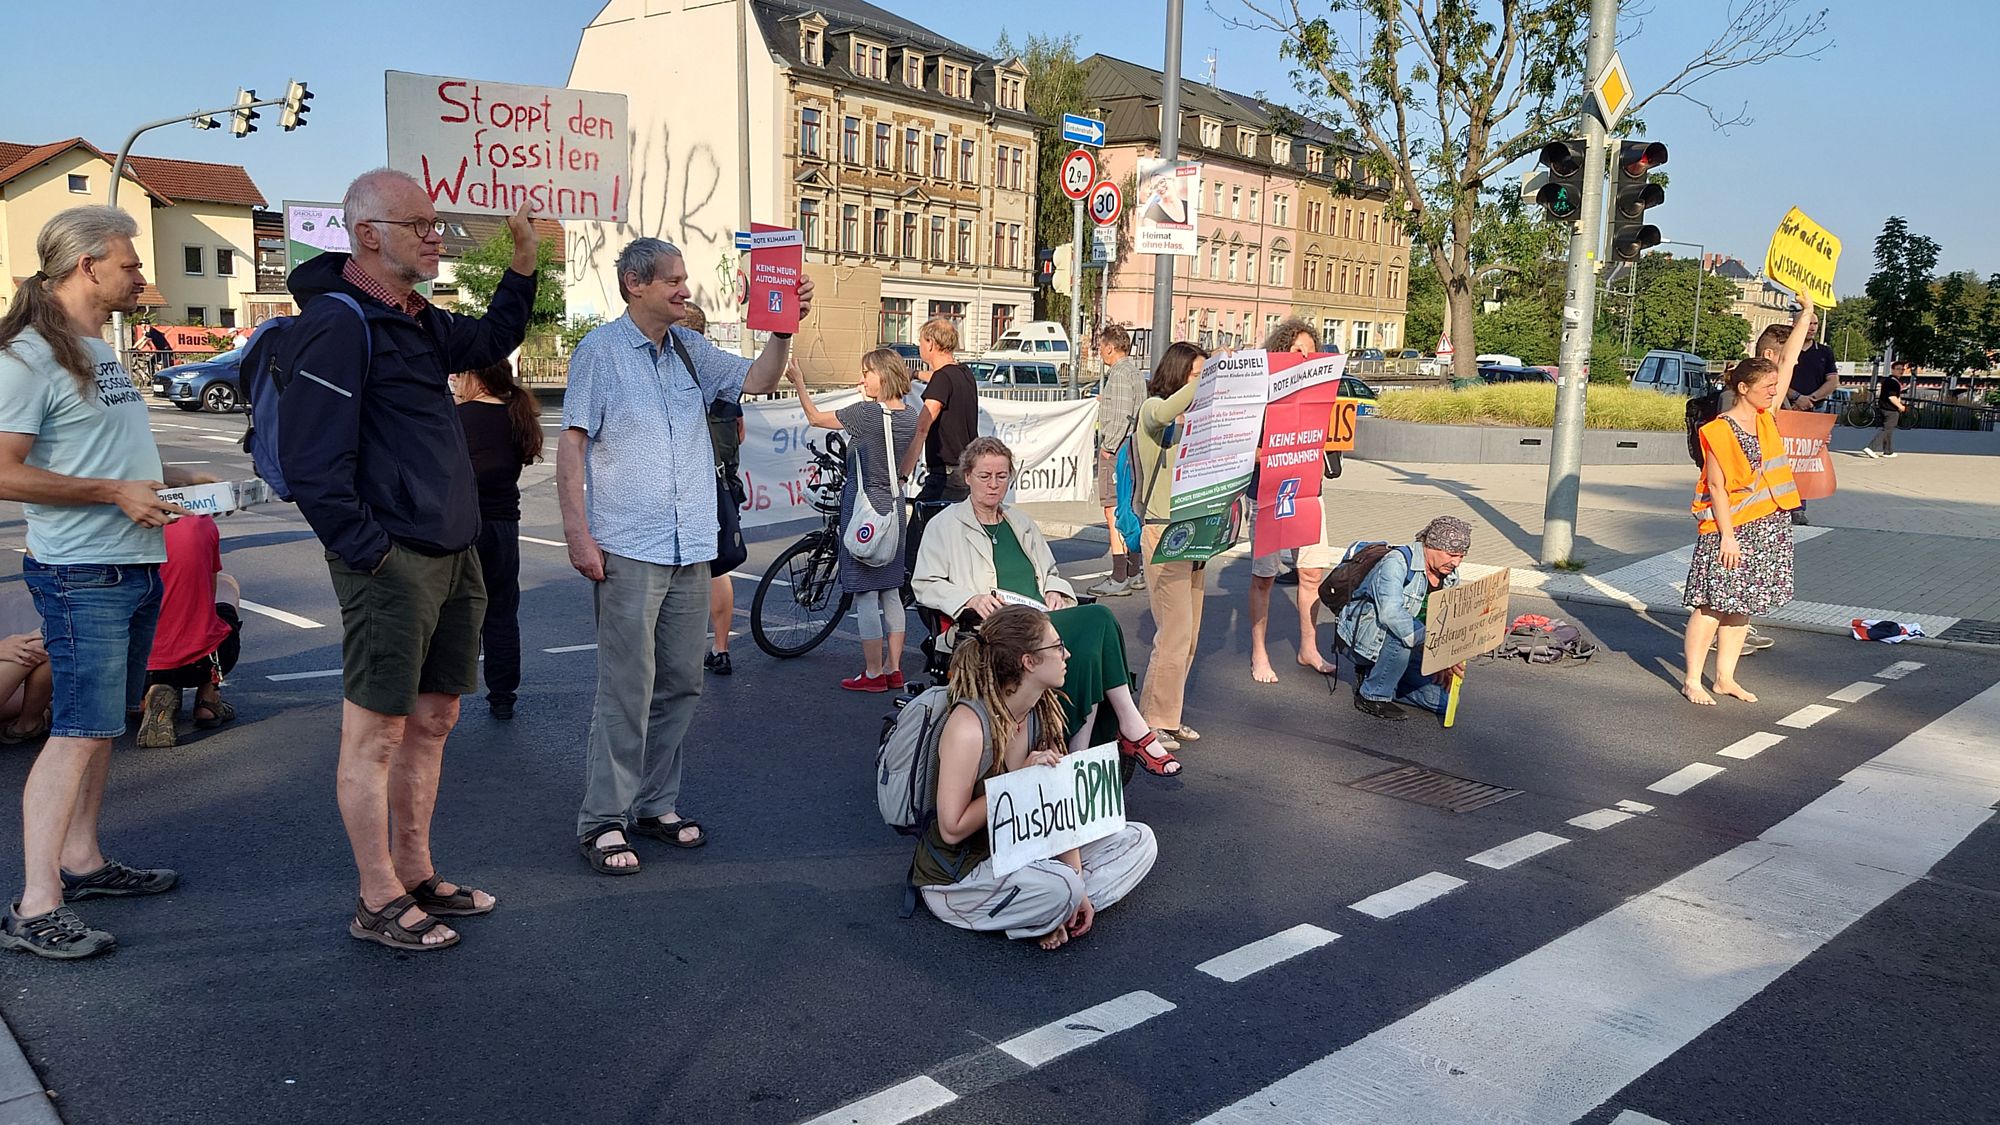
x=1043, y=811
x=489, y=147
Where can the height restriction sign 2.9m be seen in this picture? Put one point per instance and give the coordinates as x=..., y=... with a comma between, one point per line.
x=1079, y=169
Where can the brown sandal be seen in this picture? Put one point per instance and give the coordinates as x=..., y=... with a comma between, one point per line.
x=458, y=904
x=382, y=927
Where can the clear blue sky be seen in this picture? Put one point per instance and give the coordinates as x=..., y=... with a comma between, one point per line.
x=1891, y=120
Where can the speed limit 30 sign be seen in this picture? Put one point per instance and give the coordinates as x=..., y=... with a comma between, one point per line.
x=1079, y=168
x=1105, y=203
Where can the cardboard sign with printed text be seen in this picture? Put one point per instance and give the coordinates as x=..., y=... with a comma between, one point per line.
x=489, y=147
x=1465, y=620
x=1809, y=447
x=1040, y=812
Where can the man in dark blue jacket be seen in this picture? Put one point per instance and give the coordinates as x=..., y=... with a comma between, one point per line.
x=376, y=460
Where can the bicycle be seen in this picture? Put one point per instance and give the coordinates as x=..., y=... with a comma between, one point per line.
x=1860, y=411
x=809, y=569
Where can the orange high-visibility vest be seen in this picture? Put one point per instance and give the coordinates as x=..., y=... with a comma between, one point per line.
x=1752, y=495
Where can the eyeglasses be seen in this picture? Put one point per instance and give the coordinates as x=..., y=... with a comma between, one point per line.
x=1046, y=648
x=422, y=228
x=1000, y=477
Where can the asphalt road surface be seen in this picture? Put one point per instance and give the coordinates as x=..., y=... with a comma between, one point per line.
x=1799, y=930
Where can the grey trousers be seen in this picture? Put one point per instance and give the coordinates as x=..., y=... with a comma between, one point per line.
x=1037, y=898
x=652, y=622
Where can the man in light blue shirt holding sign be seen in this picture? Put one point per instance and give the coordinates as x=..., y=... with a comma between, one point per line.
x=635, y=475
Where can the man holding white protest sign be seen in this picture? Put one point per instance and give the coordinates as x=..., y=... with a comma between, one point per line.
x=994, y=857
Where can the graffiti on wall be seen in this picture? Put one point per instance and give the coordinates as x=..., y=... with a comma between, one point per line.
x=676, y=197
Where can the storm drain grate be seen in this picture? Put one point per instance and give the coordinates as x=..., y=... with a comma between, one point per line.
x=1430, y=787
x=1978, y=632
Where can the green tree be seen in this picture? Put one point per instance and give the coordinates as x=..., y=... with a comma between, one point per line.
x=1850, y=330
x=1989, y=321
x=1523, y=327
x=1955, y=330
x=1442, y=98
x=1055, y=87
x=477, y=274
x=1899, y=291
x=1517, y=253
x=1664, y=313
x=1423, y=319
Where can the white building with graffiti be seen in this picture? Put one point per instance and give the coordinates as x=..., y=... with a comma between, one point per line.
x=907, y=160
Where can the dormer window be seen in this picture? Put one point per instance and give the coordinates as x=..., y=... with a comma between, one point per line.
x=1281, y=150
x=869, y=59
x=1211, y=133
x=1315, y=159
x=913, y=70
x=1246, y=142
x=955, y=80
x=812, y=45
x=1012, y=89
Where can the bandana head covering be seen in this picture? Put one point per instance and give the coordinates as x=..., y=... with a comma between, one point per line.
x=1447, y=533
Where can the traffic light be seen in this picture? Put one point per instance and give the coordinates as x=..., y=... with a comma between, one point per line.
x=295, y=108
x=242, y=119
x=1633, y=191
x=1562, y=196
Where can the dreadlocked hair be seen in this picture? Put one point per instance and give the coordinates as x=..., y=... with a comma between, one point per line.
x=67, y=239
x=986, y=666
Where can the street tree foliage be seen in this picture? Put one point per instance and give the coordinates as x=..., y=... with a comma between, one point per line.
x=1055, y=87
x=477, y=275
x=1900, y=291
x=1850, y=330
x=1423, y=318
x=1443, y=95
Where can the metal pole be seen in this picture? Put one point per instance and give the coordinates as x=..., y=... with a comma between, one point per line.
x=743, y=149
x=1579, y=311
x=1076, y=300
x=1170, y=148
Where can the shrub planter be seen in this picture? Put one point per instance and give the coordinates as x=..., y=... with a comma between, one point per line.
x=1378, y=439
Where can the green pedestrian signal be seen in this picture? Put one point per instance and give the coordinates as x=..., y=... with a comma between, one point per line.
x=1562, y=197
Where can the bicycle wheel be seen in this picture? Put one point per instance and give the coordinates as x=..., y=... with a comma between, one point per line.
x=799, y=600
x=1860, y=415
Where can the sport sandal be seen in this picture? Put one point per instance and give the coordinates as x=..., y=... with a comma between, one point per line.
x=59, y=934
x=669, y=831
x=599, y=855
x=385, y=928
x=460, y=903
x=1150, y=755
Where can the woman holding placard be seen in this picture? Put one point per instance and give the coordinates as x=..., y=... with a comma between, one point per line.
x=1175, y=588
x=1006, y=681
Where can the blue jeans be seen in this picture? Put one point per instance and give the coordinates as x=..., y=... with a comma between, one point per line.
x=1395, y=676
x=97, y=624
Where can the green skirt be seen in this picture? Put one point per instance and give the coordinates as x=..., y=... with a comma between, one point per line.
x=1096, y=660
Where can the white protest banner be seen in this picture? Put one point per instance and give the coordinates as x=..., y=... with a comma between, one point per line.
x=312, y=229
x=1052, y=444
x=1465, y=620
x=1215, y=456
x=1040, y=812
x=1166, y=199
x=490, y=147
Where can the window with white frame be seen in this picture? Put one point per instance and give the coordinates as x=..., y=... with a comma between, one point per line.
x=850, y=139
x=882, y=145
x=850, y=227
x=955, y=80
x=937, y=238
x=913, y=152
x=1256, y=204
x=809, y=222
x=868, y=58
x=1281, y=208
x=1233, y=255
x=79, y=185
x=964, y=255
x=879, y=233
x=1211, y=133
x=913, y=70
x=1214, y=261
x=1011, y=90
x=1250, y=264
x=809, y=132
x=1235, y=202
x=1246, y=142
x=909, y=234
x=940, y=156
x=1281, y=150
x=1278, y=263
x=968, y=155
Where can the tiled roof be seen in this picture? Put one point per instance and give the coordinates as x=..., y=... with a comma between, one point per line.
x=464, y=231
x=196, y=181
x=778, y=22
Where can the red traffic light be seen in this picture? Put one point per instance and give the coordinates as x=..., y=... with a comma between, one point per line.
x=1637, y=157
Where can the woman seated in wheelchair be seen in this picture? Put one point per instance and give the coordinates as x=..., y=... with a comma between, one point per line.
x=979, y=555
x=1006, y=678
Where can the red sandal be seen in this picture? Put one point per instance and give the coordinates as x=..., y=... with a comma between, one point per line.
x=1151, y=756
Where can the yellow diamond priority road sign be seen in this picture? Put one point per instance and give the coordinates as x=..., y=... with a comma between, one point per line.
x=1613, y=91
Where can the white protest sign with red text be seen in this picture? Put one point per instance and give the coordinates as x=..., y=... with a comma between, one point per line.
x=777, y=262
x=489, y=147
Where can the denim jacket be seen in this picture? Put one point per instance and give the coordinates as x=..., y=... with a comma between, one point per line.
x=1387, y=603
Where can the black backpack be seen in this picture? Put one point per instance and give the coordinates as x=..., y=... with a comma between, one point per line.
x=1340, y=583
x=1701, y=410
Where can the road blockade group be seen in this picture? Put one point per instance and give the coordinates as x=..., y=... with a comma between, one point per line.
x=416, y=503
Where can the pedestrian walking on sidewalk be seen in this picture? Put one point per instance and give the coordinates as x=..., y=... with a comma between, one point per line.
x=1889, y=405
x=1175, y=588
x=1119, y=394
x=1742, y=565
x=503, y=435
x=77, y=452
x=376, y=459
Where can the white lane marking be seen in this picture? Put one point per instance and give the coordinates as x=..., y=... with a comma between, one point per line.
x=1899, y=669
x=222, y=437
x=1856, y=691
x=24, y=550
x=1552, y=1035
x=1516, y=850
x=543, y=542
x=1265, y=952
x=1054, y=1040
x=1407, y=896
x=1632, y=1117
x=1685, y=778
x=896, y=1104
x=280, y=615
x=173, y=463
x=578, y=648
x=1599, y=820
x=1750, y=746
x=319, y=675
x=1807, y=716
x=1635, y=806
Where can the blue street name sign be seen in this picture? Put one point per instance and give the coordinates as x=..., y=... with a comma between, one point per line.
x=1078, y=129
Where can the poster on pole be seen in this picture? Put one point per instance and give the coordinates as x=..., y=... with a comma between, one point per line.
x=1040, y=812
x=1166, y=199
x=1215, y=456
x=312, y=229
x=777, y=262
x=1465, y=620
x=1302, y=394
x=1802, y=258
x=489, y=147
x=1808, y=446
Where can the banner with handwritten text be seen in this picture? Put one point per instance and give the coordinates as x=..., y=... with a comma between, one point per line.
x=1040, y=812
x=489, y=147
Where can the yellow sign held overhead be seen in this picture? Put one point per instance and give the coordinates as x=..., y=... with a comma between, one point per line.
x=1802, y=258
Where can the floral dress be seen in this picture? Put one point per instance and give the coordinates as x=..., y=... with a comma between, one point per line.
x=1762, y=581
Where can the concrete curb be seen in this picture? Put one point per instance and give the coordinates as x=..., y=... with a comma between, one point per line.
x=23, y=1099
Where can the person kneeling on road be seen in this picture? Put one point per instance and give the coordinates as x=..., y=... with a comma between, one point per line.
x=199, y=636
x=1006, y=677
x=1383, y=626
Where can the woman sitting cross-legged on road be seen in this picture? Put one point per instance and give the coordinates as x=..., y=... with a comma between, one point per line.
x=978, y=553
x=1006, y=677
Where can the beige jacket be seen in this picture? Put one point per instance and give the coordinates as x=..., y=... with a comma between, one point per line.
x=955, y=563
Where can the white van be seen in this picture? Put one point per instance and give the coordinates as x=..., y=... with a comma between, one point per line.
x=1037, y=339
